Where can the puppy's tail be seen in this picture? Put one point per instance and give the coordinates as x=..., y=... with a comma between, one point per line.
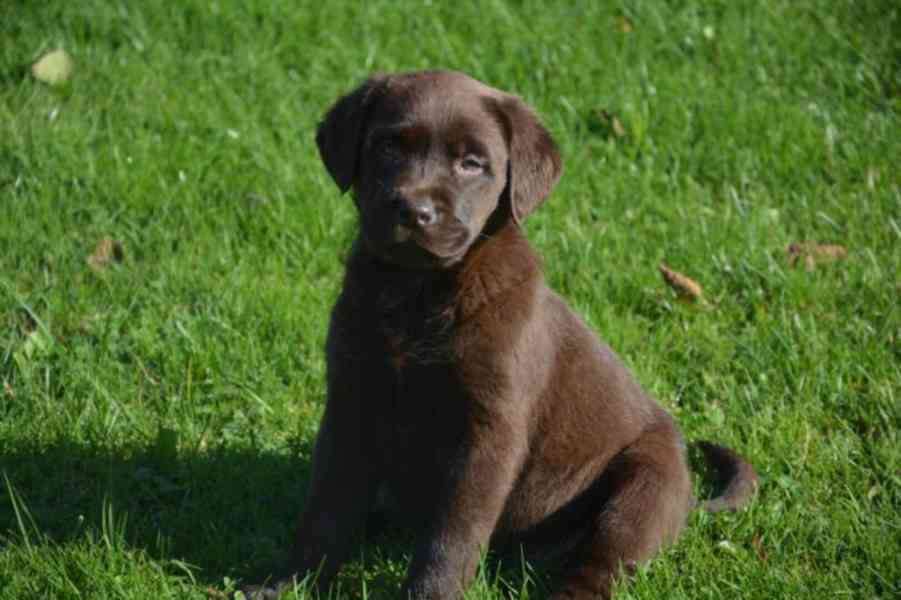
x=735, y=476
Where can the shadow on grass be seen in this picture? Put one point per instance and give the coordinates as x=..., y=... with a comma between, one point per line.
x=228, y=511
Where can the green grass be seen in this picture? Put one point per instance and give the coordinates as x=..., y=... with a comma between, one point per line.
x=157, y=415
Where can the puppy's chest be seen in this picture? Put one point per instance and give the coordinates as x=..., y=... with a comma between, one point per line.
x=418, y=338
x=416, y=330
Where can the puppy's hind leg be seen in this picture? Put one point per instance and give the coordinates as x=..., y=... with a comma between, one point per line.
x=647, y=491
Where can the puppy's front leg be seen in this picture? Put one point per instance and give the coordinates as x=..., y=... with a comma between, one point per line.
x=475, y=490
x=341, y=492
x=343, y=481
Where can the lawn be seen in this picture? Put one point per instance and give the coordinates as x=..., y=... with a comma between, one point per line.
x=170, y=246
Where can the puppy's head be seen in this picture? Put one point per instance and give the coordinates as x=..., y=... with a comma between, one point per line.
x=430, y=156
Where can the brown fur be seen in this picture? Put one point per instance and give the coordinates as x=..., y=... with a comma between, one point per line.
x=459, y=385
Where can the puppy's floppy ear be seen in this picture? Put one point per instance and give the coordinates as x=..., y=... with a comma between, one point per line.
x=341, y=131
x=535, y=165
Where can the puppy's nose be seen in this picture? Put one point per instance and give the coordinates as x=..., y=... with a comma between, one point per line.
x=419, y=212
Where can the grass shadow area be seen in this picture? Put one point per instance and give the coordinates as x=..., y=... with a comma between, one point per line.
x=225, y=511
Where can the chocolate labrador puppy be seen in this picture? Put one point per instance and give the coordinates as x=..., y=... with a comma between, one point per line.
x=462, y=391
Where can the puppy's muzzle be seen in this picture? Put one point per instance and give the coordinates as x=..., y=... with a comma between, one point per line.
x=415, y=212
x=412, y=214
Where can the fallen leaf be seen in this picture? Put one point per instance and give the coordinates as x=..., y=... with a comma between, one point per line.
x=682, y=284
x=757, y=542
x=624, y=24
x=613, y=122
x=212, y=592
x=813, y=253
x=107, y=251
x=54, y=67
x=605, y=123
x=9, y=389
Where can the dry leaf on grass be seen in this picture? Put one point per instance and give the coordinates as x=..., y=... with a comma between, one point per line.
x=682, y=284
x=108, y=251
x=624, y=24
x=813, y=252
x=757, y=542
x=9, y=389
x=618, y=128
x=605, y=123
x=54, y=67
x=613, y=122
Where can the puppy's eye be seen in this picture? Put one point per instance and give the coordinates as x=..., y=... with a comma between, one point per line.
x=470, y=165
x=388, y=148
